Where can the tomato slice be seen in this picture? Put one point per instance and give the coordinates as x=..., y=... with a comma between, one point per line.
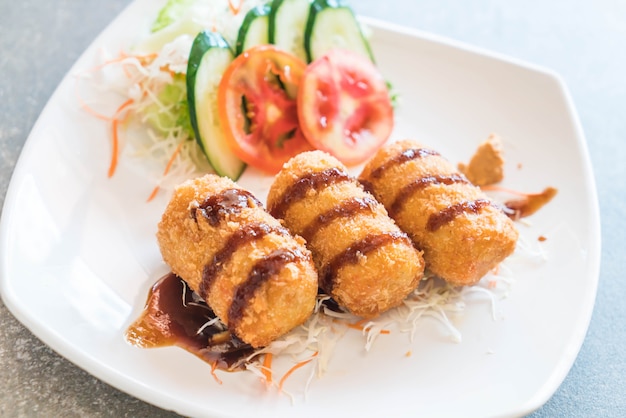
x=344, y=106
x=257, y=104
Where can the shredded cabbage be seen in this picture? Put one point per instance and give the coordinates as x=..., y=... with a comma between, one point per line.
x=170, y=13
x=153, y=79
x=433, y=299
x=153, y=123
x=189, y=17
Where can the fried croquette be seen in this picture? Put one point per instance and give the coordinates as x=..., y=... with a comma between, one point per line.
x=365, y=262
x=258, y=279
x=462, y=233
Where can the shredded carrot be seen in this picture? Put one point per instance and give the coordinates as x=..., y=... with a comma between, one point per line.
x=166, y=69
x=293, y=369
x=156, y=189
x=213, y=368
x=115, y=137
x=127, y=72
x=93, y=112
x=89, y=109
x=267, y=368
x=122, y=107
x=115, y=149
x=235, y=9
x=492, y=284
x=360, y=325
x=147, y=58
x=143, y=60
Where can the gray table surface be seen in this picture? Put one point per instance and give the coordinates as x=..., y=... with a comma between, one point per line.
x=584, y=41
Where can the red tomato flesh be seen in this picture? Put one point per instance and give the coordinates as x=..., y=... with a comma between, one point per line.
x=257, y=102
x=344, y=106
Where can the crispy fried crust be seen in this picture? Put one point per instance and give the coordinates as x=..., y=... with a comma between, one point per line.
x=365, y=262
x=278, y=293
x=464, y=246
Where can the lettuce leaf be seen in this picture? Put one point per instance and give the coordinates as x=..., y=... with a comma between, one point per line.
x=171, y=12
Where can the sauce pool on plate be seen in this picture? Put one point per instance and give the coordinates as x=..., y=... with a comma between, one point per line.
x=176, y=316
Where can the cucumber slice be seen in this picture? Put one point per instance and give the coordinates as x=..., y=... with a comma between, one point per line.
x=210, y=55
x=255, y=29
x=332, y=24
x=287, y=23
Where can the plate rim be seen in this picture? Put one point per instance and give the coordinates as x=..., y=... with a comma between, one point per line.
x=116, y=379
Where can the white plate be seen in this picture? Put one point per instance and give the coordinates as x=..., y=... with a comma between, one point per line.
x=78, y=252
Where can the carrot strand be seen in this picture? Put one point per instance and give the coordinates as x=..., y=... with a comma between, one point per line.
x=143, y=59
x=115, y=149
x=172, y=158
x=235, y=9
x=122, y=107
x=293, y=369
x=115, y=137
x=88, y=108
x=267, y=368
x=168, y=167
x=95, y=113
x=213, y=368
x=360, y=325
x=155, y=191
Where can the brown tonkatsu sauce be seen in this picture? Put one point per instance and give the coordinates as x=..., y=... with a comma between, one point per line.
x=529, y=204
x=175, y=316
x=446, y=215
x=345, y=209
x=311, y=181
x=248, y=233
x=405, y=156
x=352, y=254
x=407, y=191
x=227, y=202
x=262, y=271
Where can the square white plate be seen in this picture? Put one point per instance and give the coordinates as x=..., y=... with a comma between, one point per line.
x=78, y=253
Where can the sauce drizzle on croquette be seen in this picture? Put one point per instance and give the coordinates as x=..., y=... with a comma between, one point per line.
x=263, y=270
x=353, y=253
x=228, y=201
x=310, y=181
x=446, y=215
x=345, y=209
x=401, y=158
x=248, y=233
x=407, y=191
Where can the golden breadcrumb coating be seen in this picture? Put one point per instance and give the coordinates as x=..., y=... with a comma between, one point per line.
x=463, y=235
x=258, y=279
x=365, y=262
